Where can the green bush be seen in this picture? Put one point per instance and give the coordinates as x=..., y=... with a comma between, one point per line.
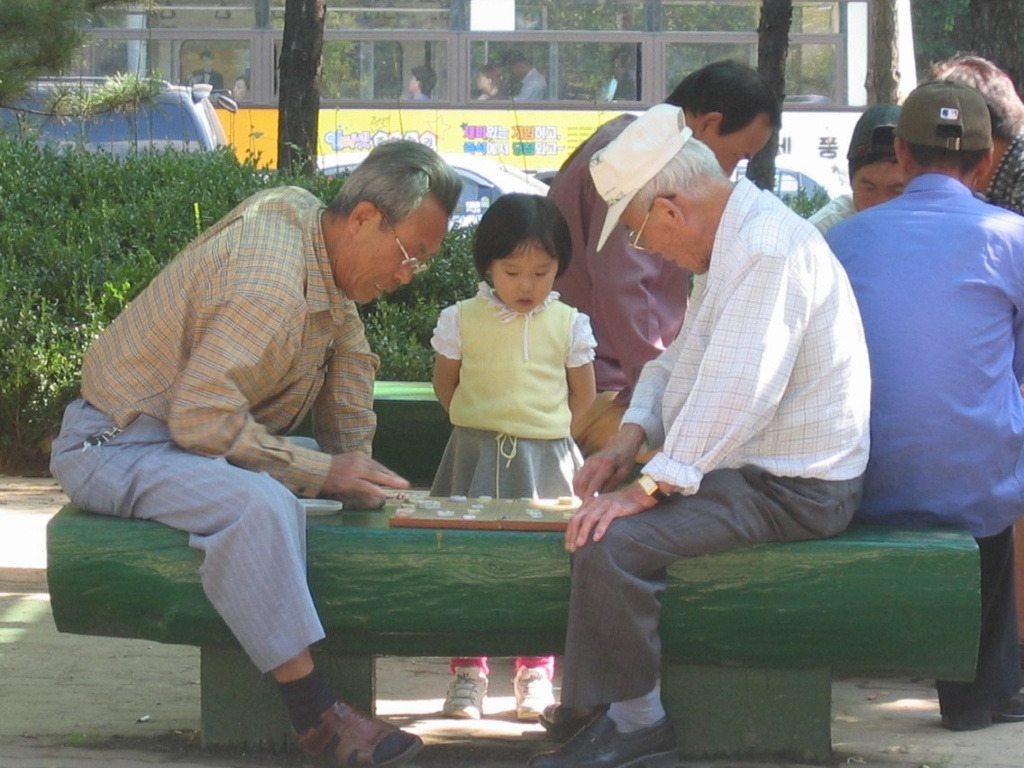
x=82, y=234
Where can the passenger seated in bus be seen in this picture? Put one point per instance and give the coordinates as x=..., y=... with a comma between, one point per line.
x=533, y=86
x=636, y=300
x=206, y=73
x=875, y=176
x=421, y=83
x=240, y=90
x=490, y=81
x=621, y=85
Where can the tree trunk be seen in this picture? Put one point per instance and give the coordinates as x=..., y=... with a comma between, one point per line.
x=883, y=79
x=772, y=50
x=997, y=35
x=299, y=102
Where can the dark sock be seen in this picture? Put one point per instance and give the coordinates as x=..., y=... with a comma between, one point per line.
x=392, y=746
x=306, y=699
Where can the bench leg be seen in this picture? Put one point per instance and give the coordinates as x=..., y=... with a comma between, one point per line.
x=242, y=707
x=752, y=713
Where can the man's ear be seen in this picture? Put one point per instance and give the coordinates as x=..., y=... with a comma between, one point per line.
x=364, y=213
x=903, y=157
x=982, y=170
x=708, y=124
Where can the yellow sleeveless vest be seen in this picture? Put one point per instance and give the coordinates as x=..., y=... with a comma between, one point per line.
x=508, y=383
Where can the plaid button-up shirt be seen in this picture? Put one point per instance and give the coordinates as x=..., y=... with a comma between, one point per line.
x=237, y=339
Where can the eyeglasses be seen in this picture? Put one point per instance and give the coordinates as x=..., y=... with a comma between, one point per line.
x=414, y=264
x=634, y=237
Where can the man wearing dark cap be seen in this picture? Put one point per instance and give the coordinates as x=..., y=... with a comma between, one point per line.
x=875, y=176
x=939, y=277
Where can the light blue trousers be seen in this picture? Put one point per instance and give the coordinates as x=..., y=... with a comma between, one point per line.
x=250, y=528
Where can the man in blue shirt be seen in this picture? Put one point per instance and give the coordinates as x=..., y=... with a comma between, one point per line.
x=939, y=278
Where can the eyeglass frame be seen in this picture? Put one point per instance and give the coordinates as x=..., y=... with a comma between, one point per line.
x=415, y=265
x=633, y=238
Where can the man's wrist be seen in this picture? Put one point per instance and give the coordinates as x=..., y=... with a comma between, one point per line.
x=650, y=487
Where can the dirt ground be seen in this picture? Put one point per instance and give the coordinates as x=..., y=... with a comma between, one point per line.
x=68, y=701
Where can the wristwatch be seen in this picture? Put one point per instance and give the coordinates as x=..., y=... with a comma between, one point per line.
x=650, y=486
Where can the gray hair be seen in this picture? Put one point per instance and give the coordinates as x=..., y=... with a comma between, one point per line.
x=694, y=171
x=396, y=177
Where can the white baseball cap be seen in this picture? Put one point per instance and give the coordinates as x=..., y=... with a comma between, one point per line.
x=635, y=157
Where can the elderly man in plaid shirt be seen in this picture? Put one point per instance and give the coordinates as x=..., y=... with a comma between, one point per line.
x=188, y=395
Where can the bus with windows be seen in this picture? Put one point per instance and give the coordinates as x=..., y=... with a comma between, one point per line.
x=519, y=81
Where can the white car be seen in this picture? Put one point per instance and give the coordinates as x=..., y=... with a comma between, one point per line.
x=792, y=175
x=483, y=180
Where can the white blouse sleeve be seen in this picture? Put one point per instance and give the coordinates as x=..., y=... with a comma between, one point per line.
x=581, y=342
x=447, y=338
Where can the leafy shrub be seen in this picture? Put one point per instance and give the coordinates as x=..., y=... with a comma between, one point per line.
x=83, y=233
x=807, y=205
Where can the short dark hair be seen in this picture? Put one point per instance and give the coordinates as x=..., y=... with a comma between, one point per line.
x=427, y=78
x=514, y=57
x=517, y=219
x=937, y=157
x=737, y=91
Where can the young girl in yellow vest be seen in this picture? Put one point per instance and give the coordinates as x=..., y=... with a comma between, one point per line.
x=514, y=367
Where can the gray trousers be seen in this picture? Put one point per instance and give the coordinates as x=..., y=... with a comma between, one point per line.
x=613, y=652
x=250, y=528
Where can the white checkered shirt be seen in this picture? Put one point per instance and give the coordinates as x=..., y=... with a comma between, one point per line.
x=770, y=368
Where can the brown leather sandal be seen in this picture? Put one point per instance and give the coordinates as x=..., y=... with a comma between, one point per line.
x=353, y=738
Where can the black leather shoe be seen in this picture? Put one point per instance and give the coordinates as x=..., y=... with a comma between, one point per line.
x=561, y=722
x=600, y=745
x=1010, y=711
x=968, y=720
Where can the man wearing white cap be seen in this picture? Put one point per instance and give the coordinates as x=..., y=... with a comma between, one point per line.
x=760, y=406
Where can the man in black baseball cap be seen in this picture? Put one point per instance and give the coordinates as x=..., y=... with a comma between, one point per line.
x=875, y=176
x=939, y=279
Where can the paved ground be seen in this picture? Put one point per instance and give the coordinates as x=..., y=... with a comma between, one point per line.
x=78, y=702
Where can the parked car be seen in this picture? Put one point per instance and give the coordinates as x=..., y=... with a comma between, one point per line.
x=178, y=117
x=789, y=181
x=483, y=180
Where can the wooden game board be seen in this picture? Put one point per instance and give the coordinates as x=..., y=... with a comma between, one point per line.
x=414, y=511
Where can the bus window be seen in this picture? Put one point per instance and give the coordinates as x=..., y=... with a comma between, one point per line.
x=598, y=72
x=728, y=16
x=208, y=14
x=811, y=70
x=815, y=18
x=584, y=15
x=394, y=14
x=380, y=70
x=683, y=58
x=218, y=63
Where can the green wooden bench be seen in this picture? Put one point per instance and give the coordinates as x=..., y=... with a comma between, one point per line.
x=751, y=638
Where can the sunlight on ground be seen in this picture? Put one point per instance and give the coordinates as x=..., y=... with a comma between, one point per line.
x=24, y=610
x=910, y=705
